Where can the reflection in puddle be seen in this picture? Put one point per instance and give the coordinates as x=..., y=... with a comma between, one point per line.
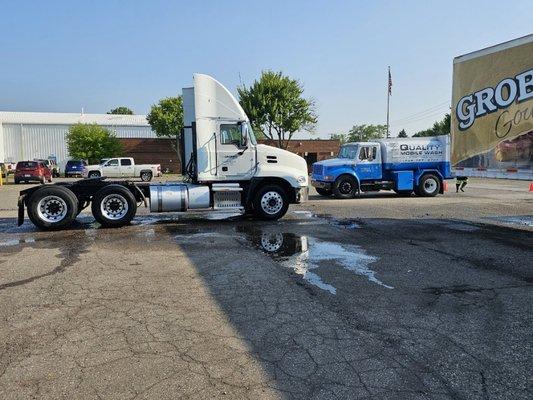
x=304, y=255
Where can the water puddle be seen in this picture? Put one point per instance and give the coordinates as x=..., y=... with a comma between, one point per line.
x=306, y=254
x=520, y=220
x=16, y=241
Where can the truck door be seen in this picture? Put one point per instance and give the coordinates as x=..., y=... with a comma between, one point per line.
x=368, y=165
x=111, y=168
x=235, y=152
x=126, y=168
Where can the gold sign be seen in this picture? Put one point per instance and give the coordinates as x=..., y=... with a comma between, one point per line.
x=492, y=97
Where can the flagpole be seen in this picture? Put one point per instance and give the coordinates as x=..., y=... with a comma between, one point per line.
x=388, y=101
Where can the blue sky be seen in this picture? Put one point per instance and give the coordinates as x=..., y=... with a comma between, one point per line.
x=65, y=55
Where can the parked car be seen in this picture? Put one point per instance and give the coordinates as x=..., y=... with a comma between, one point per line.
x=51, y=165
x=27, y=171
x=123, y=167
x=74, y=168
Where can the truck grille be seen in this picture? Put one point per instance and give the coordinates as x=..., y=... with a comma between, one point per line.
x=318, y=169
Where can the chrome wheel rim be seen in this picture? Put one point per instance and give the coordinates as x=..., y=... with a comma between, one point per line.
x=145, y=176
x=430, y=185
x=271, y=202
x=52, y=209
x=114, y=206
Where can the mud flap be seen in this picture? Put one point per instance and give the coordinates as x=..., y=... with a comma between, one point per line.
x=21, y=209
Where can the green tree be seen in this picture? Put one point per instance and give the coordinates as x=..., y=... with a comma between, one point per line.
x=121, y=110
x=342, y=137
x=402, y=134
x=439, y=128
x=276, y=108
x=92, y=143
x=365, y=133
x=166, y=120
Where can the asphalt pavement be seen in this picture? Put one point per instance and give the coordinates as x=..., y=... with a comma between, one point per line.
x=378, y=297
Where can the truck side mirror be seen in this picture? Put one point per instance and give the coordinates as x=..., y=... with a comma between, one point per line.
x=244, y=135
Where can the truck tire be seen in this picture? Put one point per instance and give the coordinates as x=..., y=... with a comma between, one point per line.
x=114, y=206
x=345, y=187
x=324, y=192
x=146, y=176
x=428, y=186
x=270, y=202
x=52, y=207
x=94, y=174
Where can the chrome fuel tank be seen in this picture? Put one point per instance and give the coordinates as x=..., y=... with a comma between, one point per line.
x=178, y=197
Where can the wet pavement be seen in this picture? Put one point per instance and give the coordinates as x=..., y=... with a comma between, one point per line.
x=311, y=306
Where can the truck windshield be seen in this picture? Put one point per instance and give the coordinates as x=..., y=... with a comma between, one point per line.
x=349, y=151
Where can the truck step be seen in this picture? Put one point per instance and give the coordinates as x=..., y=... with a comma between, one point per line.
x=226, y=187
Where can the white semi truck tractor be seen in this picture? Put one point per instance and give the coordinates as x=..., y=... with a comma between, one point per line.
x=225, y=171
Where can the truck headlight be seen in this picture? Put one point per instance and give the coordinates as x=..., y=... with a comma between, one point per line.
x=302, y=179
x=328, y=177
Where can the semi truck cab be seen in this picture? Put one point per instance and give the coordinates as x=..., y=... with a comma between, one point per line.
x=223, y=166
x=419, y=165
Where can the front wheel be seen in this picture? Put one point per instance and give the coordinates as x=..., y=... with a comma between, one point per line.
x=52, y=207
x=324, y=192
x=94, y=174
x=345, y=187
x=271, y=203
x=114, y=206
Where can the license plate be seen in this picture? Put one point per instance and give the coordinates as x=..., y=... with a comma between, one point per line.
x=27, y=175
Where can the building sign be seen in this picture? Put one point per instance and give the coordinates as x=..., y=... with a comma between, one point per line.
x=492, y=99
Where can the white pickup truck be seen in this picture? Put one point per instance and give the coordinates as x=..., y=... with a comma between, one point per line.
x=122, y=167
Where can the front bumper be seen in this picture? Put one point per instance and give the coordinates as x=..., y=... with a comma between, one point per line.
x=321, y=184
x=301, y=194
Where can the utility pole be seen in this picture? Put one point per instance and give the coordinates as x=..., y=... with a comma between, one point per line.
x=389, y=90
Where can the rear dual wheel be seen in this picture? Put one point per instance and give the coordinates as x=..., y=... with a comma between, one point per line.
x=428, y=186
x=114, y=206
x=52, y=207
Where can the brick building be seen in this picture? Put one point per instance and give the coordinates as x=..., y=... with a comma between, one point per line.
x=152, y=151
x=160, y=151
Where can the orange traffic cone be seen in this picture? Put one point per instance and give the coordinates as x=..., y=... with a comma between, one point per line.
x=531, y=187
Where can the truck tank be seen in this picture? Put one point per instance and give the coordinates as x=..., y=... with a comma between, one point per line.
x=435, y=149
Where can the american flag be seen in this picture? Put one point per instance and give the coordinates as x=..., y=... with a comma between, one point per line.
x=390, y=83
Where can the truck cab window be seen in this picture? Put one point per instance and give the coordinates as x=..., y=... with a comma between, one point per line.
x=112, y=163
x=363, y=153
x=125, y=162
x=230, y=134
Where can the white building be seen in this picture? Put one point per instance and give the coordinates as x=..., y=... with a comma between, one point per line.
x=29, y=135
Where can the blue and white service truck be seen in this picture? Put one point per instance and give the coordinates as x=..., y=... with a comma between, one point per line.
x=404, y=165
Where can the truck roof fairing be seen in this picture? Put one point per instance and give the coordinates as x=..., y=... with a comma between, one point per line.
x=213, y=101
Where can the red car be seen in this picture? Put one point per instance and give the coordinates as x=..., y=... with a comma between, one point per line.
x=27, y=171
